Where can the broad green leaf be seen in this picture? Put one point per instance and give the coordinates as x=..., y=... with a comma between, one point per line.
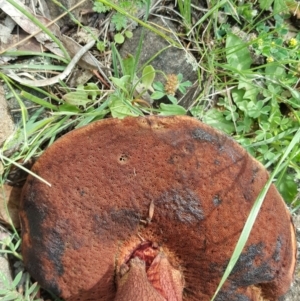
x=251, y=90
x=92, y=90
x=119, y=108
x=288, y=188
x=158, y=86
x=157, y=95
x=168, y=109
x=237, y=53
x=217, y=120
x=238, y=96
x=280, y=6
x=254, y=109
x=122, y=82
x=119, y=38
x=173, y=99
x=182, y=86
x=128, y=34
x=148, y=76
x=244, y=125
x=77, y=98
x=129, y=64
x=99, y=7
x=274, y=72
x=101, y=46
x=265, y=4
x=295, y=101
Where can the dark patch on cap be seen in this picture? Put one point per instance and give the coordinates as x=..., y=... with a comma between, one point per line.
x=182, y=205
x=117, y=222
x=37, y=213
x=126, y=219
x=217, y=200
x=200, y=134
x=276, y=255
x=255, y=170
x=53, y=287
x=247, y=272
x=216, y=162
x=34, y=265
x=55, y=250
x=100, y=222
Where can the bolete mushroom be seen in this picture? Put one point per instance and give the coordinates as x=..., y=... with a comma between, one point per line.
x=151, y=208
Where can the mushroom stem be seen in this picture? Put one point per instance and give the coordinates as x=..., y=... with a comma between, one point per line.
x=160, y=283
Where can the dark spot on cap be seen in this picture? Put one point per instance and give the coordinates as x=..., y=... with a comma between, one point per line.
x=181, y=205
x=216, y=200
x=55, y=250
x=247, y=271
x=202, y=135
x=276, y=255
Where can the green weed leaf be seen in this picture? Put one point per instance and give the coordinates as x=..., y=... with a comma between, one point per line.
x=77, y=98
x=122, y=82
x=119, y=38
x=279, y=6
x=288, y=187
x=148, y=76
x=171, y=109
x=129, y=65
x=158, y=86
x=128, y=34
x=119, y=20
x=157, y=95
x=173, y=99
x=99, y=7
x=265, y=4
x=120, y=108
x=251, y=90
x=216, y=119
x=237, y=53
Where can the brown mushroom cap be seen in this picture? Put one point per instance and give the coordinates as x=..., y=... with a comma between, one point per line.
x=78, y=232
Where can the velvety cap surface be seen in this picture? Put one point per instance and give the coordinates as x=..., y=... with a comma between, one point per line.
x=202, y=183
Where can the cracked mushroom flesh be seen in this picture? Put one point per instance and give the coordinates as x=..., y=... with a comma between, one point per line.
x=151, y=209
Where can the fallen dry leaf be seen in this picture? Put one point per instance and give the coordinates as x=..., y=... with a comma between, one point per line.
x=9, y=205
x=29, y=45
x=27, y=25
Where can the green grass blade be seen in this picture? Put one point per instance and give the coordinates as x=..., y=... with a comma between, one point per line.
x=4, y=158
x=39, y=101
